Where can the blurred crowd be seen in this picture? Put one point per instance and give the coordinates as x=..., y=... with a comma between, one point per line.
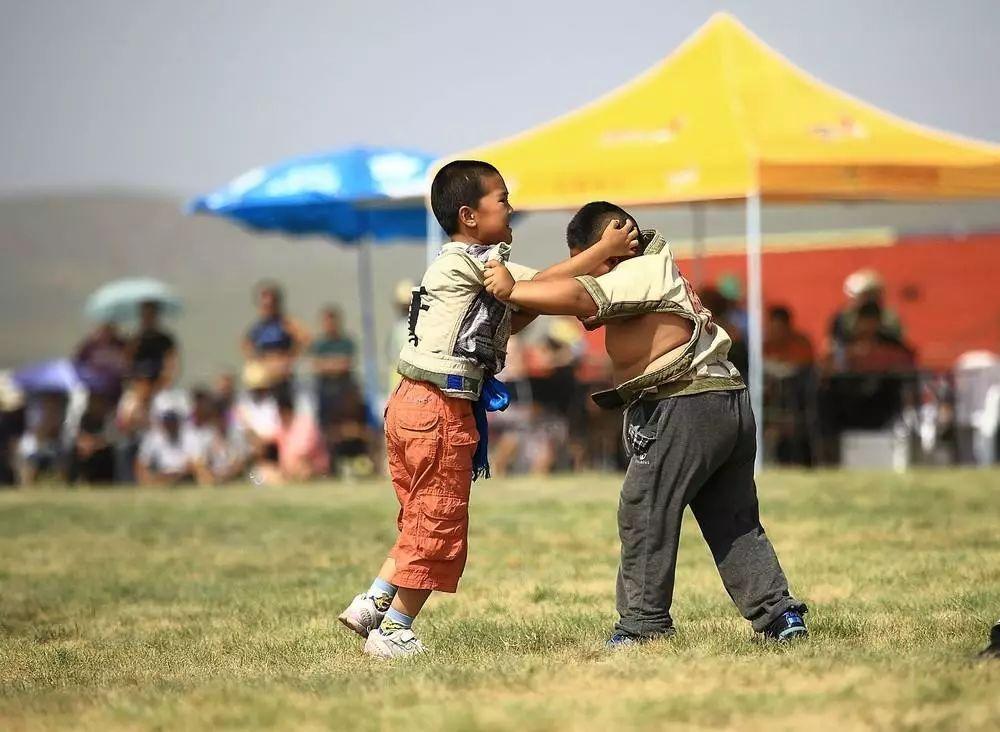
x=133, y=424
x=295, y=411
x=865, y=377
x=866, y=392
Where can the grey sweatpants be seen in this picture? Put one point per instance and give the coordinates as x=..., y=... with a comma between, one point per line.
x=695, y=450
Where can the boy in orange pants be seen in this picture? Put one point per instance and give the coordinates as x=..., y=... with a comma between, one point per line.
x=435, y=443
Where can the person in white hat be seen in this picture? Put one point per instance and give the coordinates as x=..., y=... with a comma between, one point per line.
x=861, y=288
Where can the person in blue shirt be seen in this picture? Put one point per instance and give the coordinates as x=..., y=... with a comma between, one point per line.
x=275, y=339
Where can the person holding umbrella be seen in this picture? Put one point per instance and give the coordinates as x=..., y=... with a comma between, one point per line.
x=153, y=350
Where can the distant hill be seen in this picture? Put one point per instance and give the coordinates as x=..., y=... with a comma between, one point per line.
x=56, y=249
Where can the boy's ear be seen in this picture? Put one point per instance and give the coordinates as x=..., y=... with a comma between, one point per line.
x=467, y=216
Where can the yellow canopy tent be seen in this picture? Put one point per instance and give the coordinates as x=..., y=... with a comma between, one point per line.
x=725, y=117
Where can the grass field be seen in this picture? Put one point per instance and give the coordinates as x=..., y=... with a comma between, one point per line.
x=135, y=609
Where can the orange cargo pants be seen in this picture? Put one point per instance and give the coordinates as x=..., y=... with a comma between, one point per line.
x=430, y=441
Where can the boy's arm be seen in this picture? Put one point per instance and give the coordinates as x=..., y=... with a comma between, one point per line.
x=552, y=291
x=635, y=286
x=616, y=242
x=551, y=297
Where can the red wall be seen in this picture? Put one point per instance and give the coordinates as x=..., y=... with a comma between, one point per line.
x=946, y=291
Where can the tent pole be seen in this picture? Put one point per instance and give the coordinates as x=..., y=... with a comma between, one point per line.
x=755, y=307
x=698, y=241
x=366, y=290
x=435, y=236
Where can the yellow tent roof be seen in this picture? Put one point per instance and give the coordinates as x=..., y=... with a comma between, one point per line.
x=723, y=117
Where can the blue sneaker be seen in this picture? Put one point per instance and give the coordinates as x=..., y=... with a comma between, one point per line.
x=788, y=627
x=621, y=640
x=624, y=640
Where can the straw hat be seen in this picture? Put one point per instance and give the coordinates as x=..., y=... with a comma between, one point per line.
x=256, y=376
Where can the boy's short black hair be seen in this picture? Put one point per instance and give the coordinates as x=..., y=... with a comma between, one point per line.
x=457, y=184
x=589, y=223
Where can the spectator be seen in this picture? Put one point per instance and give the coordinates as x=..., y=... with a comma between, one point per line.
x=223, y=457
x=224, y=394
x=349, y=437
x=729, y=314
x=596, y=432
x=870, y=349
x=509, y=428
x=552, y=365
x=872, y=379
x=168, y=454
x=862, y=288
x=104, y=354
x=301, y=452
x=275, y=340
x=153, y=350
x=333, y=361
x=203, y=411
x=730, y=287
x=133, y=420
x=790, y=397
x=12, y=418
x=92, y=458
x=257, y=417
x=784, y=347
x=41, y=451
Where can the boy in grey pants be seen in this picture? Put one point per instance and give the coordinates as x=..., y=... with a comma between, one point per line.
x=688, y=429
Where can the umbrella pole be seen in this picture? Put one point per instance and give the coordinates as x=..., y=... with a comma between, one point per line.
x=435, y=236
x=755, y=307
x=366, y=290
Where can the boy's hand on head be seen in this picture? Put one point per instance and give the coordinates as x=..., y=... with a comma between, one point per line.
x=620, y=239
x=498, y=281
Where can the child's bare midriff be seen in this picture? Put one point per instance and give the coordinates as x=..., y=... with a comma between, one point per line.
x=634, y=343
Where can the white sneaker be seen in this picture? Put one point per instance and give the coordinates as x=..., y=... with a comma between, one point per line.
x=397, y=644
x=361, y=616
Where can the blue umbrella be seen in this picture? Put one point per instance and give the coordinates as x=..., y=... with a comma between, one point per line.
x=350, y=194
x=354, y=195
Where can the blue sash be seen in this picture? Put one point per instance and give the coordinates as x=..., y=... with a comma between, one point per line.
x=494, y=398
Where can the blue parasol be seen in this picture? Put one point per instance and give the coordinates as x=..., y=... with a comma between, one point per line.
x=355, y=195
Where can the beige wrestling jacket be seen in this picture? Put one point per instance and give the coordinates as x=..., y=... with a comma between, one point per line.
x=457, y=331
x=651, y=283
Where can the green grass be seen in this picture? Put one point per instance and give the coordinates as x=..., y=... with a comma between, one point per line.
x=134, y=609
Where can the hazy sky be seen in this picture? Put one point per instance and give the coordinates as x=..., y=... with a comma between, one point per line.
x=182, y=95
